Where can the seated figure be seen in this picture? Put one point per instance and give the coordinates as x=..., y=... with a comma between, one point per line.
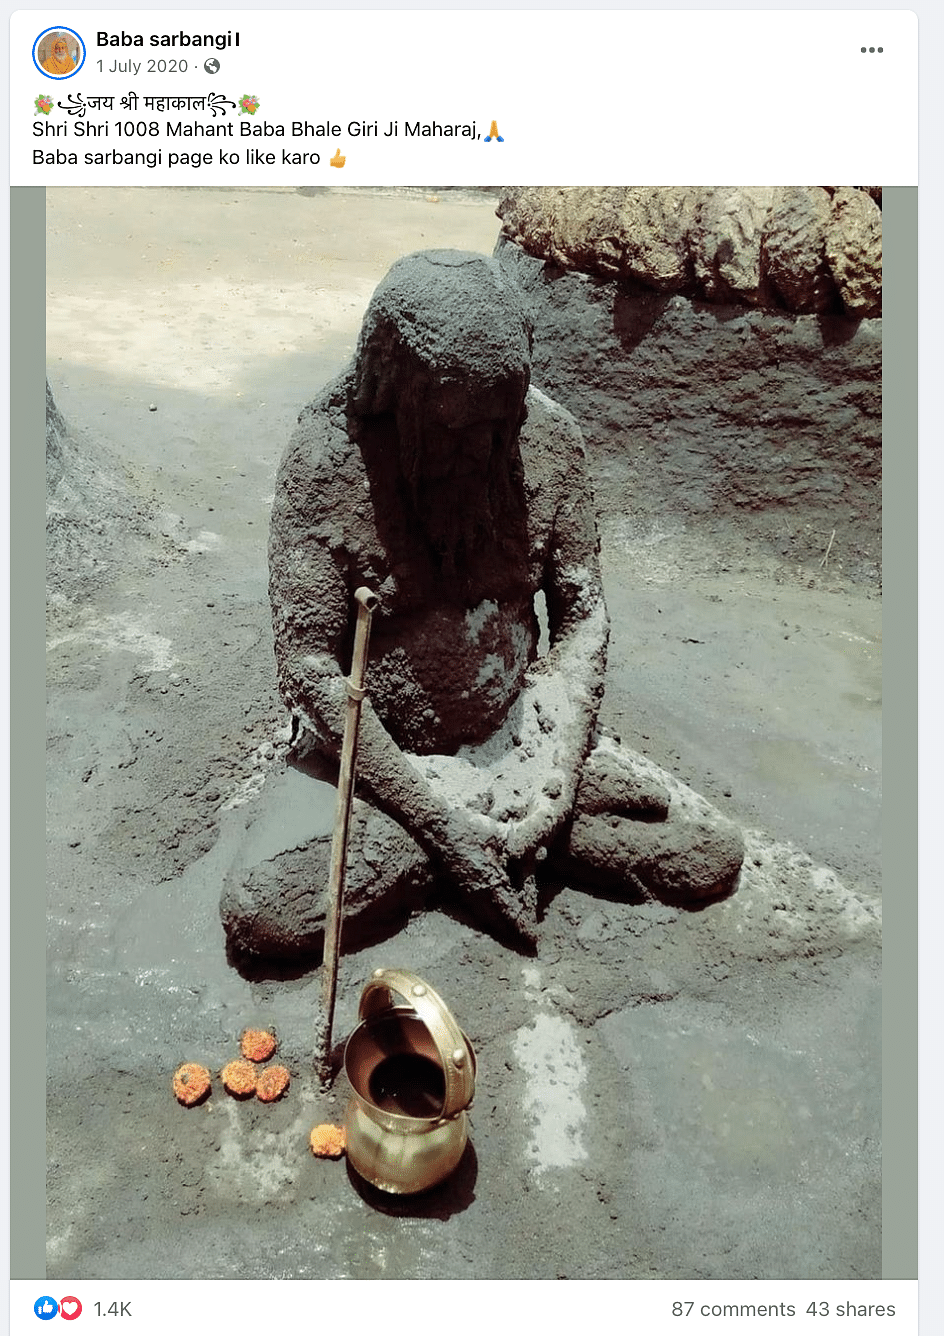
x=434, y=473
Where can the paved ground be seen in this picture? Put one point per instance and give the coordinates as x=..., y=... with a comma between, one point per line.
x=659, y=1094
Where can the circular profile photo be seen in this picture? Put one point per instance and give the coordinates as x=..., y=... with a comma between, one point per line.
x=59, y=53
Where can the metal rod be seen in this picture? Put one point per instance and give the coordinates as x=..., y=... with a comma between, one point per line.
x=366, y=602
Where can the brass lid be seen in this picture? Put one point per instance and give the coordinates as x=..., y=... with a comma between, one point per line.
x=455, y=1051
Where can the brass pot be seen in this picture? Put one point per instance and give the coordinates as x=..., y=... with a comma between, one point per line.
x=412, y=1075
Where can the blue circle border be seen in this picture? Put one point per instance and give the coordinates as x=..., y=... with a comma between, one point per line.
x=59, y=78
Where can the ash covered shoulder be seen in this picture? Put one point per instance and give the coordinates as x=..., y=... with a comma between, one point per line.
x=320, y=457
x=551, y=434
x=562, y=516
x=321, y=519
x=555, y=460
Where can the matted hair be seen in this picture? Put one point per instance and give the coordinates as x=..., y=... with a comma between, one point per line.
x=443, y=322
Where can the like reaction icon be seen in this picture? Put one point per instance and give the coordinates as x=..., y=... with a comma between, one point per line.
x=45, y=1307
x=69, y=1308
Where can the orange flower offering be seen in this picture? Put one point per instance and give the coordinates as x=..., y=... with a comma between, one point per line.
x=239, y=1078
x=258, y=1045
x=272, y=1083
x=328, y=1142
x=191, y=1083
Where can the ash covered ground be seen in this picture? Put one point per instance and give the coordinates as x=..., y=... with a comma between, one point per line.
x=660, y=1093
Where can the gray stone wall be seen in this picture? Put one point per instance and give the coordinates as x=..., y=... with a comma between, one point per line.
x=724, y=410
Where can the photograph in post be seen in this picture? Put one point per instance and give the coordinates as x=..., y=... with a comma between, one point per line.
x=548, y=521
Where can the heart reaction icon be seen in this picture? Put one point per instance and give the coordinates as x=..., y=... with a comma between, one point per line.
x=69, y=1307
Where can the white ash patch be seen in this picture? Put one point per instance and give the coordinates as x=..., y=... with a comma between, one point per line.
x=786, y=904
x=243, y=792
x=170, y=523
x=205, y=541
x=262, y=760
x=493, y=670
x=122, y=632
x=476, y=618
x=535, y=989
x=172, y=526
x=551, y=404
x=582, y=578
x=555, y=1074
x=499, y=777
x=255, y=1164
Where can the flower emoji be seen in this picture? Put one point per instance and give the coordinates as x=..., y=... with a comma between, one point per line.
x=249, y=104
x=44, y=105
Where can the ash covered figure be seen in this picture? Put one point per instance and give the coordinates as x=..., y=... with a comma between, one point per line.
x=432, y=472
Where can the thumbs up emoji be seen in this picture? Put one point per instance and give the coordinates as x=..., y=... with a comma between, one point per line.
x=338, y=160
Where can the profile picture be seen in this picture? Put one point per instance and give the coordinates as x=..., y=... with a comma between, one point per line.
x=59, y=53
